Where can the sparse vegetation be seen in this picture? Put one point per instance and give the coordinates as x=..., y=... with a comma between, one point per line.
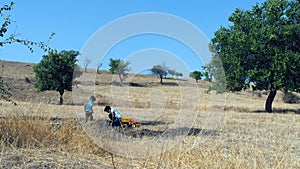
x=7, y=38
x=120, y=67
x=290, y=97
x=245, y=137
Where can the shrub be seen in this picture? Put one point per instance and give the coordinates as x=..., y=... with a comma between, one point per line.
x=290, y=97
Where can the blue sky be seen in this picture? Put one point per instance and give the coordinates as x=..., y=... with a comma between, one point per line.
x=77, y=22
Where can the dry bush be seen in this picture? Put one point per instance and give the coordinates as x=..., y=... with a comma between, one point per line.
x=29, y=132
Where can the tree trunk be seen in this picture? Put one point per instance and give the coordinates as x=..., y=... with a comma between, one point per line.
x=61, y=100
x=271, y=96
x=161, y=77
x=120, y=78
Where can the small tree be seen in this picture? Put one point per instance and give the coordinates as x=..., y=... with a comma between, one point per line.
x=178, y=74
x=86, y=63
x=55, y=72
x=122, y=70
x=160, y=70
x=172, y=73
x=206, y=73
x=196, y=75
x=216, y=72
x=114, y=64
x=119, y=67
x=98, y=67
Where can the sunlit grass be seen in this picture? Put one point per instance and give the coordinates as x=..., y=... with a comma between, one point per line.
x=245, y=137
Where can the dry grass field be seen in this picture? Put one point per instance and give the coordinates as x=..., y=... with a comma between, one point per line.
x=182, y=125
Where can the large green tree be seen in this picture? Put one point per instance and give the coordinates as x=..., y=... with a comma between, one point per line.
x=55, y=71
x=262, y=48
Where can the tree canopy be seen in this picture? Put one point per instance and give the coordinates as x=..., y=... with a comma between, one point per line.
x=160, y=70
x=114, y=64
x=120, y=67
x=55, y=71
x=196, y=75
x=262, y=48
x=122, y=70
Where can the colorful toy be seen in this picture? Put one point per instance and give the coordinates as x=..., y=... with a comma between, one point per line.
x=127, y=122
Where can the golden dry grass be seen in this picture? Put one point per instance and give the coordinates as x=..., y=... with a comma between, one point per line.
x=241, y=136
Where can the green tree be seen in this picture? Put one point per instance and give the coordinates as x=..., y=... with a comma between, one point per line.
x=160, y=70
x=120, y=67
x=178, y=74
x=206, y=73
x=262, y=48
x=172, y=73
x=114, y=64
x=196, y=75
x=7, y=38
x=215, y=72
x=55, y=72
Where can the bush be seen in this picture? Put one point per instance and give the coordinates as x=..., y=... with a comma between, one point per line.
x=289, y=97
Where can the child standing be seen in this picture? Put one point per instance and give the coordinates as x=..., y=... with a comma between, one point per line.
x=88, y=108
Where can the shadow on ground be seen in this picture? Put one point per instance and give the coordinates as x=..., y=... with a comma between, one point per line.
x=275, y=110
x=280, y=111
x=169, y=133
x=152, y=123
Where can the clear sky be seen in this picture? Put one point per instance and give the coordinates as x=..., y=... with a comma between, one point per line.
x=77, y=22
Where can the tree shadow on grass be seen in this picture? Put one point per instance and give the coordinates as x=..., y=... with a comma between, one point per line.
x=280, y=111
x=152, y=123
x=275, y=110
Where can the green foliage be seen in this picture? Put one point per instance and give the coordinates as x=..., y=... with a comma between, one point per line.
x=172, y=73
x=215, y=73
x=206, y=73
x=114, y=64
x=160, y=70
x=262, y=47
x=118, y=66
x=55, y=71
x=196, y=75
x=122, y=69
x=178, y=74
